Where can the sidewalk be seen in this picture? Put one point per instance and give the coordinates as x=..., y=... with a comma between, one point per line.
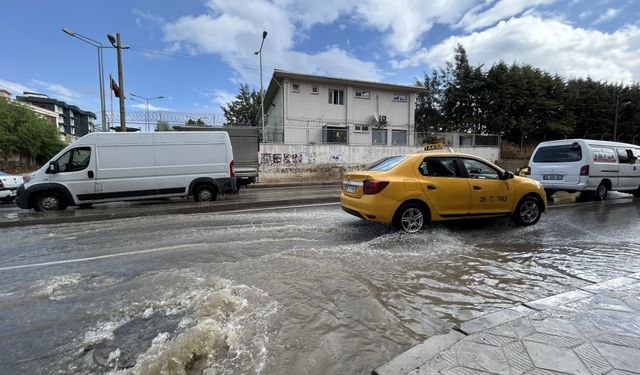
x=591, y=330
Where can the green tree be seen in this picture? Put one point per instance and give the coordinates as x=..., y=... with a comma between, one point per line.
x=24, y=133
x=199, y=123
x=163, y=126
x=244, y=109
x=428, y=115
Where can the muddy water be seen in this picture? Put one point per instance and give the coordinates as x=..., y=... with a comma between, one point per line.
x=294, y=292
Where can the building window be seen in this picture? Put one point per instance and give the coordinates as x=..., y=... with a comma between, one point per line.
x=336, y=97
x=335, y=134
x=399, y=97
x=295, y=87
x=379, y=136
x=363, y=94
x=398, y=137
x=315, y=90
x=361, y=128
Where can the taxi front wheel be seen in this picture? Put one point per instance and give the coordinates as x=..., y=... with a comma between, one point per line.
x=410, y=218
x=528, y=211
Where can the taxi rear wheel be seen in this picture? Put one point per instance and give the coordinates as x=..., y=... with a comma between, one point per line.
x=528, y=211
x=410, y=218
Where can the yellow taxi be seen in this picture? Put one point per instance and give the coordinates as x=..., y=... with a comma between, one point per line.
x=412, y=190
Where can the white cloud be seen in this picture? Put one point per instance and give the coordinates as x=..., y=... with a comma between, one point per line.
x=14, y=87
x=406, y=21
x=548, y=44
x=223, y=97
x=479, y=17
x=233, y=30
x=59, y=91
x=607, y=16
x=151, y=107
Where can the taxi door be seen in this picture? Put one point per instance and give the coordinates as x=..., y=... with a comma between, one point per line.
x=444, y=185
x=489, y=194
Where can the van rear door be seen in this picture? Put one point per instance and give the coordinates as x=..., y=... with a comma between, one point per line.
x=558, y=164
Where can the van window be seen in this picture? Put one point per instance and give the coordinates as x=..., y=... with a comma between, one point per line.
x=75, y=159
x=558, y=154
x=623, y=157
x=603, y=155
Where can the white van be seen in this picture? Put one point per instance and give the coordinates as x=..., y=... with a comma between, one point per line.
x=107, y=167
x=586, y=165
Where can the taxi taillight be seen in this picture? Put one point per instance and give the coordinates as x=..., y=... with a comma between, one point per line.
x=373, y=186
x=527, y=170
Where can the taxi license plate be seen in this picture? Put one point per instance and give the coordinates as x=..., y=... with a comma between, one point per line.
x=350, y=188
x=552, y=177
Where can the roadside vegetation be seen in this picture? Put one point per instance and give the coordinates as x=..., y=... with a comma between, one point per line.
x=524, y=104
x=22, y=132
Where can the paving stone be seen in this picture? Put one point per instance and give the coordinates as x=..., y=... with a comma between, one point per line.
x=437, y=364
x=523, y=327
x=517, y=357
x=481, y=357
x=553, y=340
x=539, y=371
x=635, y=275
x=586, y=327
x=620, y=357
x=624, y=340
x=592, y=358
x=620, y=372
x=612, y=284
x=633, y=302
x=495, y=319
x=556, y=359
x=612, y=321
x=489, y=339
x=606, y=302
x=559, y=299
x=464, y=371
x=503, y=330
x=558, y=327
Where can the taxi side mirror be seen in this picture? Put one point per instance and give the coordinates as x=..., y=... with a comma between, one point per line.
x=506, y=175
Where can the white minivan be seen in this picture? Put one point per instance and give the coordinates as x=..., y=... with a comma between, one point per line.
x=586, y=165
x=107, y=167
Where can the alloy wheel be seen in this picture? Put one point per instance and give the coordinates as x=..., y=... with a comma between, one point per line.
x=412, y=220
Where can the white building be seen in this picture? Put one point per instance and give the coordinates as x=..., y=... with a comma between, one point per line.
x=311, y=109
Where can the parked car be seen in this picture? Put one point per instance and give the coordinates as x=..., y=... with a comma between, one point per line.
x=8, y=186
x=107, y=167
x=585, y=165
x=410, y=191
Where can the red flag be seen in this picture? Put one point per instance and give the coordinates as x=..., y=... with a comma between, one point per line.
x=115, y=88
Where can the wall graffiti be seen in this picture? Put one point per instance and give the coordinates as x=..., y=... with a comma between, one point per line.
x=269, y=159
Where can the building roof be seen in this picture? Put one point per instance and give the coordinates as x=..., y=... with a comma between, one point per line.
x=41, y=98
x=281, y=74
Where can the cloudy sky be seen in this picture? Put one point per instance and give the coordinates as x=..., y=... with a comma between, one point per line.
x=197, y=52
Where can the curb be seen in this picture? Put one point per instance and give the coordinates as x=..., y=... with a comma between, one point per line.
x=291, y=184
x=195, y=208
x=420, y=354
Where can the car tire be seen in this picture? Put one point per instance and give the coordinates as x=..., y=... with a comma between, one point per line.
x=636, y=193
x=601, y=192
x=410, y=218
x=528, y=211
x=204, y=193
x=49, y=201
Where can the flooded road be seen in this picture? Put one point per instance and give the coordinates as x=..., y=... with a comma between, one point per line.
x=292, y=291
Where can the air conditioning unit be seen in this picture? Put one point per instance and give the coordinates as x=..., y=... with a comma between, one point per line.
x=382, y=119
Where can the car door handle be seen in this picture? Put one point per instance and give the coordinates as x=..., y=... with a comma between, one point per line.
x=431, y=187
x=90, y=174
x=476, y=187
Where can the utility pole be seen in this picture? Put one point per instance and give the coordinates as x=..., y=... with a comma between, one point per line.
x=115, y=41
x=259, y=52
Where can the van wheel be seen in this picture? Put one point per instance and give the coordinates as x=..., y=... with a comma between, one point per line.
x=204, y=193
x=528, y=212
x=600, y=193
x=49, y=201
x=636, y=193
x=410, y=218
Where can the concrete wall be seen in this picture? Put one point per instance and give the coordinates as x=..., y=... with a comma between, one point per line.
x=313, y=163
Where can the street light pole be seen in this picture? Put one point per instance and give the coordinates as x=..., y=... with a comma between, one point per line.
x=99, y=47
x=259, y=52
x=147, y=106
x=115, y=42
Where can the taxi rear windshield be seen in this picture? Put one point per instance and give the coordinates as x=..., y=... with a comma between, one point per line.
x=558, y=154
x=386, y=163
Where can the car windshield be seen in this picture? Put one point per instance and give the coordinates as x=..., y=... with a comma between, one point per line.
x=386, y=163
x=3, y=173
x=558, y=154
